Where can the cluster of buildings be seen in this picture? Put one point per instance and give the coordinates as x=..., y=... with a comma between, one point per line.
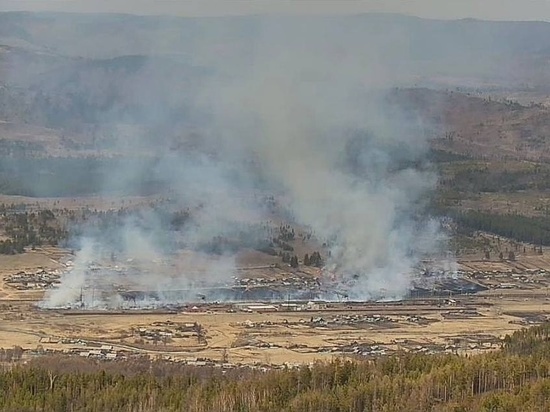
x=354, y=319
x=85, y=349
x=511, y=279
x=164, y=331
x=38, y=280
x=279, y=307
x=288, y=280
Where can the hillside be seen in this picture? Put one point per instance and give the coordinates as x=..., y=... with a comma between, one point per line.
x=430, y=43
x=479, y=127
x=89, y=75
x=493, y=161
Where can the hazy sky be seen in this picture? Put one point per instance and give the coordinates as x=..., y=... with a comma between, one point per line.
x=445, y=9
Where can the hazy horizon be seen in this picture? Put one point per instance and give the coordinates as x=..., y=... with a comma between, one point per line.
x=505, y=10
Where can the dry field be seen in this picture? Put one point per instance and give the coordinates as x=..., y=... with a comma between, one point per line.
x=281, y=337
x=465, y=323
x=47, y=258
x=99, y=203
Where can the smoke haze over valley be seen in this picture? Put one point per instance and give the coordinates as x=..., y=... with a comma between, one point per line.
x=217, y=117
x=259, y=205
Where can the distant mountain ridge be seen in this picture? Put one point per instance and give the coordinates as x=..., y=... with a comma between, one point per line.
x=79, y=72
x=500, y=50
x=81, y=34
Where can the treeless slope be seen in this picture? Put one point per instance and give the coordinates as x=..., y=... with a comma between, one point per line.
x=480, y=127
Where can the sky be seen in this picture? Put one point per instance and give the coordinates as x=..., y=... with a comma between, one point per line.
x=438, y=9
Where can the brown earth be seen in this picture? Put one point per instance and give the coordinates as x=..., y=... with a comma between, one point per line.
x=479, y=321
x=480, y=127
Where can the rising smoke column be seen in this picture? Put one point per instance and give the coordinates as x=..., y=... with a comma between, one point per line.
x=73, y=282
x=312, y=110
x=307, y=105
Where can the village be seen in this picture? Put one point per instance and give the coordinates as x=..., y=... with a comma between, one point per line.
x=39, y=280
x=269, y=316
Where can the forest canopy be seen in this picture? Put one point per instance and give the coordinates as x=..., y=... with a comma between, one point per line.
x=515, y=378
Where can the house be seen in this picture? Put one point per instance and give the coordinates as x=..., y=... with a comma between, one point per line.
x=262, y=308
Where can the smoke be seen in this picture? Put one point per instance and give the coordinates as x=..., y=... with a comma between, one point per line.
x=320, y=127
x=303, y=116
x=72, y=282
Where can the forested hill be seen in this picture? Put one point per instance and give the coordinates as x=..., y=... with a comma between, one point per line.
x=515, y=378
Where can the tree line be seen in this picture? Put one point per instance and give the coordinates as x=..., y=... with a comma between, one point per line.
x=515, y=378
x=485, y=179
x=30, y=230
x=530, y=229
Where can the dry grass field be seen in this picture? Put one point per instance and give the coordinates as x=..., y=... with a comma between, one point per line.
x=277, y=338
x=467, y=323
x=99, y=203
x=463, y=324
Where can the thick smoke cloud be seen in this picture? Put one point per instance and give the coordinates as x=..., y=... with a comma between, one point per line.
x=303, y=115
x=312, y=110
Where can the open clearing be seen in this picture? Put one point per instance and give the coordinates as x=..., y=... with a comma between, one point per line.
x=278, y=334
x=279, y=337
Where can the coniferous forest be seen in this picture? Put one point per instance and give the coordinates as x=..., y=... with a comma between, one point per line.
x=515, y=378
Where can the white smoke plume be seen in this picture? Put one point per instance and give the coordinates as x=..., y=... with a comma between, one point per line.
x=306, y=106
x=74, y=281
x=319, y=125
